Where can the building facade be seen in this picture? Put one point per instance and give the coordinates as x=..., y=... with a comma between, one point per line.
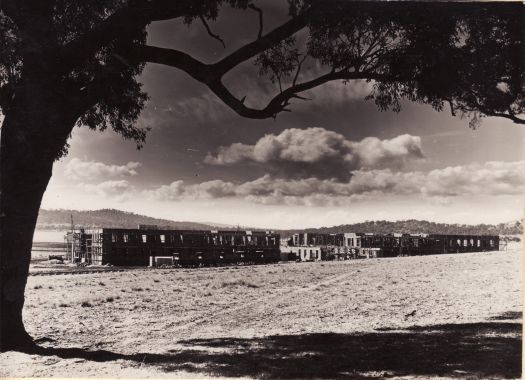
x=142, y=247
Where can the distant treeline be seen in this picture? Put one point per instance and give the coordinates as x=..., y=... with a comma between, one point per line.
x=61, y=220
x=418, y=226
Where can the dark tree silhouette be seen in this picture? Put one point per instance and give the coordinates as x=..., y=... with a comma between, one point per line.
x=70, y=62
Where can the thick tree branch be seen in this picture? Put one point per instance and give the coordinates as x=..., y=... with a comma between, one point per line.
x=208, y=73
x=509, y=116
x=211, y=74
x=265, y=42
x=170, y=57
x=488, y=112
x=143, y=12
x=282, y=100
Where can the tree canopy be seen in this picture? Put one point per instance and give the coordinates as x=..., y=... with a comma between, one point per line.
x=467, y=56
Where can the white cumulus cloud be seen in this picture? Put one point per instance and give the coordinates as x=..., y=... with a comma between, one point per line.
x=178, y=190
x=493, y=178
x=320, y=153
x=119, y=189
x=89, y=170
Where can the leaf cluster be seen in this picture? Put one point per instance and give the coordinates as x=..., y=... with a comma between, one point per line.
x=467, y=56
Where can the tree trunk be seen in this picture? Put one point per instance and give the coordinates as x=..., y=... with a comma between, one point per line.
x=31, y=139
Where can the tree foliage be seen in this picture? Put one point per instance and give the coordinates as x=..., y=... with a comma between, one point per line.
x=467, y=56
x=418, y=226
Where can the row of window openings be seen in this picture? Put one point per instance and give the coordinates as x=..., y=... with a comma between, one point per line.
x=466, y=243
x=318, y=242
x=378, y=241
x=314, y=255
x=138, y=251
x=306, y=251
x=222, y=240
x=349, y=242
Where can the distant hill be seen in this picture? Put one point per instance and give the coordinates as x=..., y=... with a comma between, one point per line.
x=418, y=226
x=61, y=220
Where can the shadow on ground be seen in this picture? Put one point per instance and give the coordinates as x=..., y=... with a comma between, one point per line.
x=474, y=350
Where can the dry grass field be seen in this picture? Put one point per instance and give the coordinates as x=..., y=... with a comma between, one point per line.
x=455, y=316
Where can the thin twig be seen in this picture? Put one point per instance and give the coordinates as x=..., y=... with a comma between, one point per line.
x=216, y=36
x=280, y=85
x=260, y=12
x=300, y=97
x=299, y=64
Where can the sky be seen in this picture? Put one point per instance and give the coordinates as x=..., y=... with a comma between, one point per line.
x=335, y=159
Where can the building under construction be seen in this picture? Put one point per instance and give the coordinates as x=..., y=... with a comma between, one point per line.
x=343, y=246
x=149, y=245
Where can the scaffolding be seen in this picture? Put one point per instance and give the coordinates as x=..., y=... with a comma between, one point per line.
x=84, y=247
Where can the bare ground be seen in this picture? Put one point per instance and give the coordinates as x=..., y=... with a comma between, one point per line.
x=452, y=316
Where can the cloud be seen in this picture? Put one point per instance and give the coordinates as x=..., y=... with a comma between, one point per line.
x=88, y=170
x=319, y=153
x=172, y=192
x=178, y=190
x=119, y=190
x=493, y=178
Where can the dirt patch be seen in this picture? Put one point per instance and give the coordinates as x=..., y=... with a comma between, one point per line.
x=452, y=316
